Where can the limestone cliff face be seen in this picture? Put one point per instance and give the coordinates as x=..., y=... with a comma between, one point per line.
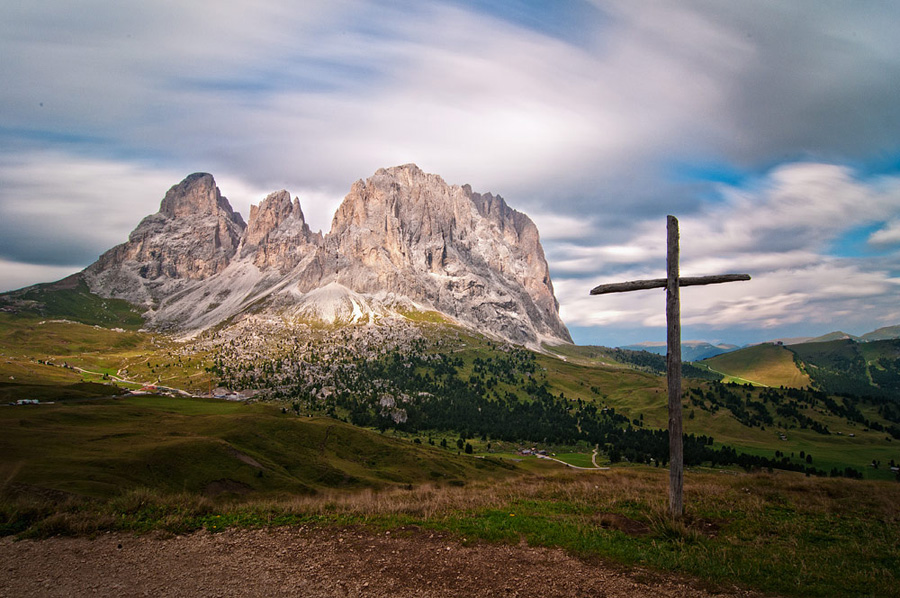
x=528, y=264
x=401, y=239
x=277, y=236
x=466, y=255
x=194, y=236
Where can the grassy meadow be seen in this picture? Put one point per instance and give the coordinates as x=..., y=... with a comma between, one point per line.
x=765, y=365
x=95, y=461
x=777, y=533
x=207, y=447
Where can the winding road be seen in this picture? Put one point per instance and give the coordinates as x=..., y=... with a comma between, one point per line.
x=593, y=460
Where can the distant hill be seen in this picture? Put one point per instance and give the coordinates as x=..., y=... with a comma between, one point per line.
x=70, y=298
x=791, y=340
x=833, y=336
x=886, y=333
x=799, y=340
x=836, y=366
x=847, y=366
x=768, y=364
x=690, y=350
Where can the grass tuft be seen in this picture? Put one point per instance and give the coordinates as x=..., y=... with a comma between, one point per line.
x=783, y=534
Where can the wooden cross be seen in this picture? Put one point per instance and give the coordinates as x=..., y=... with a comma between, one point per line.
x=671, y=283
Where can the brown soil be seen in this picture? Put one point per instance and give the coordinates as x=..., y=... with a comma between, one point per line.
x=316, y=562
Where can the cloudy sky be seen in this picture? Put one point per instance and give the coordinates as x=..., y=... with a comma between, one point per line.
x=770, y=128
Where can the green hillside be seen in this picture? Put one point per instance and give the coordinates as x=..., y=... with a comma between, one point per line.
x=885, y=333
x=846, y=366
x=641, y=360
x=103, y=448
x=437, y=382
x=766, y=364
x=39, y=355
x=71, y=299
x=835, y=366
x=332, y=421
x=837, y=335
x=378, y=433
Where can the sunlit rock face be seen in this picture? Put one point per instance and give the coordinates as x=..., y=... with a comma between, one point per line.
x=402, y=239
x=466, y=255
x=277, y=235
x=194, y=236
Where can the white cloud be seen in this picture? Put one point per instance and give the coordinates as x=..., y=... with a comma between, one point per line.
x=319, y=207
x=106, y=105
x=888, y=235
x=797, y=207
x=323, y=93
x=779, y=230
x=60, y=209
x=829, y=292
x=475, y=99
x=554, y=227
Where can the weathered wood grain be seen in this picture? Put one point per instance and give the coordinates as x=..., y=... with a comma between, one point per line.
x=661, y=283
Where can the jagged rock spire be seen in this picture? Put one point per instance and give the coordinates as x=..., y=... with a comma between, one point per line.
x=277, y=235
x=402, y=236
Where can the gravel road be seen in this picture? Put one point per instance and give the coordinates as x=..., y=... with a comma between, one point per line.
x=316, y=562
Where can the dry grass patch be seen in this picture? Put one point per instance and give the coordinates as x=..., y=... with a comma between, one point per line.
x=779, y=533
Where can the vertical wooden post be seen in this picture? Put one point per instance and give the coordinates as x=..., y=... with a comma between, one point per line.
x=673, y=372
x=672, y=282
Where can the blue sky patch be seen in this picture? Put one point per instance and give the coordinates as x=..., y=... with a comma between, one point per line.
x=572, y=21
x=885, y=164
x=710, y=172
x=855, y=242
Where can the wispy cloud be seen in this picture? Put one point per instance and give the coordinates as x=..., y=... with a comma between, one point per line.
x=597, y=118
x=888, y=235
x=57, y=209
x=778, y=229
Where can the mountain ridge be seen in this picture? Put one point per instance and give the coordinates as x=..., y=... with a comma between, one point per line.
x=401, y=240
x=690, y=350
x=698, y=349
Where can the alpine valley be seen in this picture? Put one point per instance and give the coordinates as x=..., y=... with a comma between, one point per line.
x=410, y=366
x=427, y=309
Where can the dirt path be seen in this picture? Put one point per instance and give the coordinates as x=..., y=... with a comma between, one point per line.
x=593, y=458
x=117, y=378
x=315, y=562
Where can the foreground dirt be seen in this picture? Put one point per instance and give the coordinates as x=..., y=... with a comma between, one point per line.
x=315, y=562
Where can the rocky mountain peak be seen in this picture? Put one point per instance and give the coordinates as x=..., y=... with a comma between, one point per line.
x=467, y=255
x=401, y=240
x=196, y=196
x=494, y=208
x=269, y=215
x=192, y=237
x=389, y=188
x=277, y=234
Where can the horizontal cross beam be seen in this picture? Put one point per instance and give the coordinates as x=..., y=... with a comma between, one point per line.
x=660, y=283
